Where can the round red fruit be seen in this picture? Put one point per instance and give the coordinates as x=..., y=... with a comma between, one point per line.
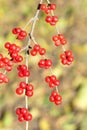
x=19, y=91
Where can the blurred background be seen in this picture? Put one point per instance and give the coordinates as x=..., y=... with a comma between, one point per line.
x=72, y=114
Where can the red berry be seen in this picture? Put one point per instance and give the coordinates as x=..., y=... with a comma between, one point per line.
x=57, y=43
x=48, y=19
x=21, y=118
x=2, y=64
x=42, y=51
x=43, y=6
x=24, y=111
x=19, y=91
x=55, y=38
x=53, y=6
x=51, y=99
x=19, y=58
x=12, y=47
x=23, y=33
x=63, y=56
x=52, y=23
x=48, y=62
x=33, y=52
x=47, y=10
x=28, y=117
x=18, y=111
x=57, y=82
x=19, y=37
x=29, y=93
x=26, y=73
x=7, y=45
x=22, y=85
x=64, y=61
x=57, y=102
x=61, y=36
x=29, y=87
x=5, y=79
x=8, y=68
x=54, y=93
x=63, y=41
x=41, y=63
x=53, y=78
x=68, y=53
x=16, y=30
x=36, y=47
x=51, y=85
x=47, y=79
x=20, y=74
x=54, y=19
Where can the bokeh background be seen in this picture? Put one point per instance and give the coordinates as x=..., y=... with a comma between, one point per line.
x=72, y=114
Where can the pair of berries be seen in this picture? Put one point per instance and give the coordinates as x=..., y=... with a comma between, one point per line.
x=23, y=114
x=52, y=81
x=21, y=33
x=37, y=49
x=47, y=8
x=23, y=71
x=59, y=39
x=52, y=20
x=27, y=87
x=67, y=57
x=56, y=98
x=3, y=78
x=45, y=63
x=5, y=62
x=13, y=50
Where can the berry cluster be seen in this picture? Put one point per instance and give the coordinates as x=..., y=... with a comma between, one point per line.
x=5, y=62
x=52, y=81
x=13, y=50
x=3, y=78
x=27, y=87
x=37, y=49
x=23, y=114
x=52, y=20
x=45, y=63
x=56, y=98
x=47, y=8
x=67, y=57
x=59, y=39
x=21, y=34
x=23, y=71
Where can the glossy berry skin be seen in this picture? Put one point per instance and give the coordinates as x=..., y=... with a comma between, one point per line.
x=29, y=93
x=48, y=19
x=33, y=52
x=28, y=117
x=16, y=30
x=43, y=6
x=19, y=91
x=22, y=85
x=36, y=47
x=53, y=6
x=42, y=51
x=21, y=118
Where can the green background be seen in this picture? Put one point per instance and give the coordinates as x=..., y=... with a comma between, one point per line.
x=72, y=114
